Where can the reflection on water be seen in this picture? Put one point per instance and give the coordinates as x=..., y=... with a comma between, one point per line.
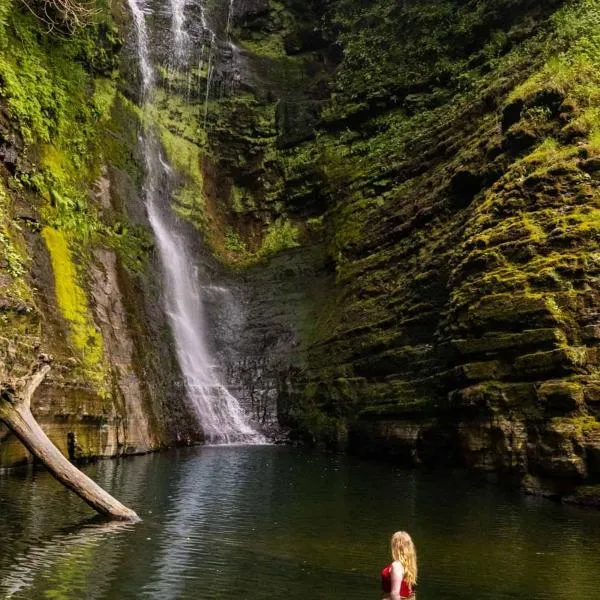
x=67, y=559
x=271, y=522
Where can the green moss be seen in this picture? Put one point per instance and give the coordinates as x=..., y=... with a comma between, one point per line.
x=13, y=256
x=189, y=204
x=266, y=37
x=133, y=243
x=235, y=245
x=45, y=84
x=73, y=304
x=507, y=266
x=270, y=46
x=182, y=139
x=58, y=99
x=547, y=151
x=180, y=117
x=183, y=155
x=502, y=259
x=581, y=425
x=105, y=94
x=574, y=71
x=281, y=235
x=118, y=139
x=562, y=396
x=242, y=200
x=27, y=85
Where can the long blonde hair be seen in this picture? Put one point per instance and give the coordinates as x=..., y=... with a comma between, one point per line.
x=403, y=550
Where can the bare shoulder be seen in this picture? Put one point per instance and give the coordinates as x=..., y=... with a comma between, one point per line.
x=397, y=567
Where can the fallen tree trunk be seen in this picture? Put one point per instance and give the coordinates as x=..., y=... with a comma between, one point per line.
x=15, y=411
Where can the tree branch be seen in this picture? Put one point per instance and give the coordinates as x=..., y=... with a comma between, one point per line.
x=62, y=16
x=33, y=384
x=18, y=383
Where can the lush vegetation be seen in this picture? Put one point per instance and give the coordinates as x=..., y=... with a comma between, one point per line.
x=59, y=91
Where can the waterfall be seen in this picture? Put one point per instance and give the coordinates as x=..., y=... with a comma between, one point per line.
x=209, y=75
x=219, y=413
x=139, y=19
x=180, y=36
x=229, y=17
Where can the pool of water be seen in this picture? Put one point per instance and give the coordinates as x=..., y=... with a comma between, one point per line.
x=277, y=523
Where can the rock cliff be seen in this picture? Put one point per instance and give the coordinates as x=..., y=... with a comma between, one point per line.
x=442, y=157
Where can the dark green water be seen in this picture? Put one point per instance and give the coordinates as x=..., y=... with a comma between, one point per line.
x=272, y=522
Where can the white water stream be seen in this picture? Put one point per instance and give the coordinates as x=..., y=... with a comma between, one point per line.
x=219, y=413
x=180, y=36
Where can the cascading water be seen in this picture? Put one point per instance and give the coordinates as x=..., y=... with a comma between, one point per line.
x=209, y=76
x=179, y=34
x=229, y=16
x=220, y=414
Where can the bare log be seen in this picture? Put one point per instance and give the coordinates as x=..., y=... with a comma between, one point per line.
x=15, y=411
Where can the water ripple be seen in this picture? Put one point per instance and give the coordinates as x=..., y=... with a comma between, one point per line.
x=269, y=522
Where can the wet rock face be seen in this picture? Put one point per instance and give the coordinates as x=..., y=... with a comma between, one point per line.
x=139, y=405
x=248, y=10
x=264, y=319
x=119, y=349
x=130, y=308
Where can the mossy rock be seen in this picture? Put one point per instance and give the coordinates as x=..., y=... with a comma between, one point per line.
x=561, y=397
x=494, y=397
x=492, y=342
x=559, y=361
x=584, y=495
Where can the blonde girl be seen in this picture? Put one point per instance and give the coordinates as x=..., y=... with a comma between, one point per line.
x=400, y=576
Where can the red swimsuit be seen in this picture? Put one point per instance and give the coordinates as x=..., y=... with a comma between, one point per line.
x=386, y=583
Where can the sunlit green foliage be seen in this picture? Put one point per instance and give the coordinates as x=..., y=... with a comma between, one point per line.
x=59, y=91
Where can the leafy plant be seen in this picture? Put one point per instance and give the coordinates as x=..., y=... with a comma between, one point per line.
x=281, y=235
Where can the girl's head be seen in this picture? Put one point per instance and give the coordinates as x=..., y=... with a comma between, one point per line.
x=404, y=551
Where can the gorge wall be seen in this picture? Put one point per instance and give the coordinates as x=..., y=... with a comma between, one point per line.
x=402, y=199
x=440, y=160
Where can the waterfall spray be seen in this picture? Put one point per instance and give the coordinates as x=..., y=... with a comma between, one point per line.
x=139, y=19
x=180, y=35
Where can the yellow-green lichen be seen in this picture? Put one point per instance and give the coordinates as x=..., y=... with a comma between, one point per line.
x=73, y=304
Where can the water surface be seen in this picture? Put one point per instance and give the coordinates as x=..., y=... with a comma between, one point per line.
x=269, y=522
